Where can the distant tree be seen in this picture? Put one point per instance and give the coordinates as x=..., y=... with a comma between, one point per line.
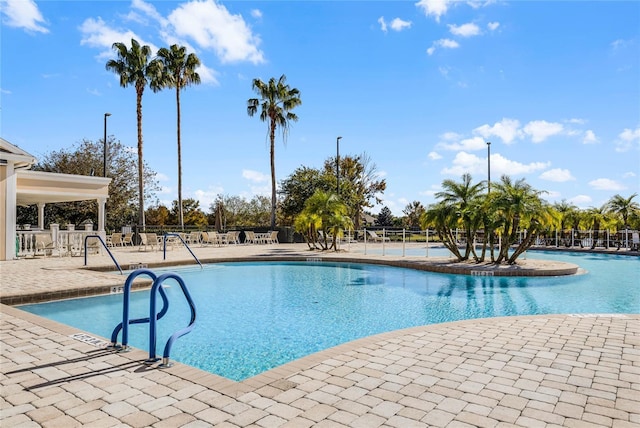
x=158, y=215
x=178, y=71
x=239, y=212
x=192, y=214
x=385, y=217
x=360, y=185
x=134, y=67
x=276, y=100
x=298, y=187
x=82, y=159
x=413, y=212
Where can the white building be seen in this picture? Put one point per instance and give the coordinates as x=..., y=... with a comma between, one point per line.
x=19, y=186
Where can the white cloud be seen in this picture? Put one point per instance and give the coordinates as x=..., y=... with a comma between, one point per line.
x=589, y=137
x=493, y=26
x=465, y=30
x=255, y=176
x=475, y=165
x=435, y=8
x=383, y=24
x=580, y=200
x=211, y=26
x=469, y=144
x=627, y=138
x=97, y=34
x=207, y=197
x=606, y=184
x=434, y=156
x=443, y=43
x=577, y=121
x=23, y=14
x=149, y=10
x=619, y=44
x=540, y=130
x=207, y=75
x=507, y=130
x=256, y=13
x=558, y=175
x=398, y=24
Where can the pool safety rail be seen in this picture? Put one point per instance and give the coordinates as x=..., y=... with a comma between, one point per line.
x=154, y=315
x=164, y=246
x=86, y=239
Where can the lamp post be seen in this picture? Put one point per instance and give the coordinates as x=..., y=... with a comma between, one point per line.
x=488, y=167
x=104, y=165
x=338, y=165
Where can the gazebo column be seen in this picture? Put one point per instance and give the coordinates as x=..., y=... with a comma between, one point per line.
x=102, y=216
x=41, y=215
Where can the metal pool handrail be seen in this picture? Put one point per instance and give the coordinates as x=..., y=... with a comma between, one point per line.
x=124, y=325
x=105, y=247
x=164, y=246
x=157, y=285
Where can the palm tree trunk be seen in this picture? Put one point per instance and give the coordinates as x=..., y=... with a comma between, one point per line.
x=140, y=165
x=180, y=213
x=273, y=174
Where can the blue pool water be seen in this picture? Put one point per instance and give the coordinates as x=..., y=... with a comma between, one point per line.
x=256, y=316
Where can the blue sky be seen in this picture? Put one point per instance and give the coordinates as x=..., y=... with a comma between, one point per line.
x=420, y=87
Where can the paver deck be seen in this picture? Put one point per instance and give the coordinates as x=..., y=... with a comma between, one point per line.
x=547, y=370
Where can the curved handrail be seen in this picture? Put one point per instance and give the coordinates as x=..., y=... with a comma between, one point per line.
x=157, y=284
x=105, y=247
x=164, y=246
x=124, y=325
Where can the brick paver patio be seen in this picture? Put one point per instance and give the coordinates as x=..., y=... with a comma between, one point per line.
x=546, y=370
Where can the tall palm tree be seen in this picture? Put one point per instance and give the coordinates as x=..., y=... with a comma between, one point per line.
x=133, y=66
x=178, y=71
x=276, y=100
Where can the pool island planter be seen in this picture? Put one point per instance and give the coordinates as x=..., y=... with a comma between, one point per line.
x=446, y=265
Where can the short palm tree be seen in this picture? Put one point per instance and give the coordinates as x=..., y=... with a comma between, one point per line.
x=133, y=66
x=465, y=197
x=276, y=100
x=178, y=71
x=624, y=207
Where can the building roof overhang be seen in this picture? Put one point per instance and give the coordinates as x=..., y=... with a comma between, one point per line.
x=34, y=187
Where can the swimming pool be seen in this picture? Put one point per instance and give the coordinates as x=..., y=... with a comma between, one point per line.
x=256, y=316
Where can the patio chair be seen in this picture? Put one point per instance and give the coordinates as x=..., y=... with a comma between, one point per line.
x=233, y=237
x=44, y=245
x=273, y=238
x=193, y=238
x=148, y=240
x=116, y=240
x=376, y=238
x=127, y=239
x=250, y=237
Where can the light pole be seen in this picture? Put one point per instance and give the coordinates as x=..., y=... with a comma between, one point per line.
x=488, y=167
x=104, y=165
x=338, y=165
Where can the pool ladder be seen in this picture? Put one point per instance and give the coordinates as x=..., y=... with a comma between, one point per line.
x=154, y=315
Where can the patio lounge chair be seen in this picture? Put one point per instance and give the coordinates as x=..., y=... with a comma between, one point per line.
x=376, y=238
